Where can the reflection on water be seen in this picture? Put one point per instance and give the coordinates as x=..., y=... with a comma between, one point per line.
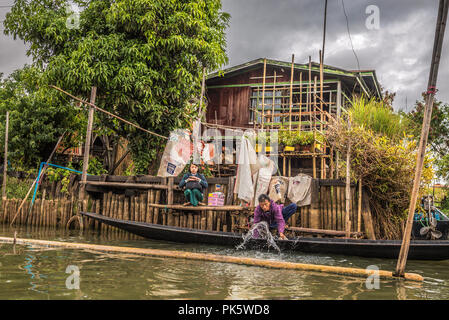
x=29, y=272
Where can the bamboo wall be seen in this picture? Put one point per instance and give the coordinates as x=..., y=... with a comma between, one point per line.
x=327, y=210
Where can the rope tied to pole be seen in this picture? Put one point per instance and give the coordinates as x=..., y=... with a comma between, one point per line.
x=432, y=90
x=108, y=113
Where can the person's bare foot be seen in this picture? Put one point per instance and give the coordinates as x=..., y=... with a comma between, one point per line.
x=201, y=203
x=186, y=204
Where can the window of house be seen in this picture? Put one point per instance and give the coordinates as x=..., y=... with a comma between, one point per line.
x=270, y=103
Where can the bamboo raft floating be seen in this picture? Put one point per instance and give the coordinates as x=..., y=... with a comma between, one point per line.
x=219, y=258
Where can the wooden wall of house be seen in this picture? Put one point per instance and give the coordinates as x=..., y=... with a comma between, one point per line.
x=231, y=104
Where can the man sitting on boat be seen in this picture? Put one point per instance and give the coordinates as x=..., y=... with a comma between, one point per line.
x=194, y=182
x=274, y=214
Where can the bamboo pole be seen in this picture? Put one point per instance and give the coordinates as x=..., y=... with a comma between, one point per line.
x=150, y=208
x=132, y=210
x=263, y=91
x=322, y=231
x=200, y=208
x=313, y=128
x=348, y=188
x=215, y=258
x=431, y=90
x=5, y=163
x=190, y=221
x=37, y=179
x=323, y=171
x=108, y=113
x=274, y=100
x=291, y=91
x=126, y=208
x=137, y=208
x=156, y=210
x=359, y=207
x=300, y=102
x=309, y=91
x=203, y=89
x=90, y=121
x=170, y=200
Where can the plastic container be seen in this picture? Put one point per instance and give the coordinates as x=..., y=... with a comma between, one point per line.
x=216, y=199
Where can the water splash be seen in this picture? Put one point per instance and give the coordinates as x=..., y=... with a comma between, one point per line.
x=263, y=233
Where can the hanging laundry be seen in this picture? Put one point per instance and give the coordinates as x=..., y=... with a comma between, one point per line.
x=300, y=189
x=176, y=154
x=268, y=168
x=248, y=165
x=278, y=189
x=208, y=153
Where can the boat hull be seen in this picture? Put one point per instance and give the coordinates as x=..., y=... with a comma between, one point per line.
x=419, y=249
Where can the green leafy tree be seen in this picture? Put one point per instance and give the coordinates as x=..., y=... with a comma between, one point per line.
x=438, y=141
x=144, y=56
x=38, y=116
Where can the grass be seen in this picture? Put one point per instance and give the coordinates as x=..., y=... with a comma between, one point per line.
x=378, y=117
x=17, y=188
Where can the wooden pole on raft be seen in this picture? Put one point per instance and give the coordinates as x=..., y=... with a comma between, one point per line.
x=36, y=180
x=5, y=163
x=431, y=90
x=90, y=121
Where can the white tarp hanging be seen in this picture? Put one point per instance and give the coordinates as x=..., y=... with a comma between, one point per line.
x=300, y=189
x=248, y=165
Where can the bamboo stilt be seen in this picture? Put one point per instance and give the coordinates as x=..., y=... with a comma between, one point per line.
x=190, y=221
x=151, y=209
x=156, y=210
x=132, y=209
x=210, y=220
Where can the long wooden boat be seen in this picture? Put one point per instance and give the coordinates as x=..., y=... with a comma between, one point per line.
x=419, y=249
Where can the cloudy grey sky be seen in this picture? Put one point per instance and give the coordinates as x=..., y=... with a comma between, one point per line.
x=400, y=50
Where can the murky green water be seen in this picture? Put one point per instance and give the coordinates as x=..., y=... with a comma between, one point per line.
x=28, y=272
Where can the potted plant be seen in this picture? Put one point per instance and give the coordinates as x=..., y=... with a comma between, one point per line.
x=268, y=143
x=306, y=141
x=319, y=138
x=288, y=140
x=297, y=140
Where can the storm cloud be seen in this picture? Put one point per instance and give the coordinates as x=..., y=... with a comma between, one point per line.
x=400, y=50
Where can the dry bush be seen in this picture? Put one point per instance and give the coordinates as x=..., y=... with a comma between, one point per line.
x=387, y=168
